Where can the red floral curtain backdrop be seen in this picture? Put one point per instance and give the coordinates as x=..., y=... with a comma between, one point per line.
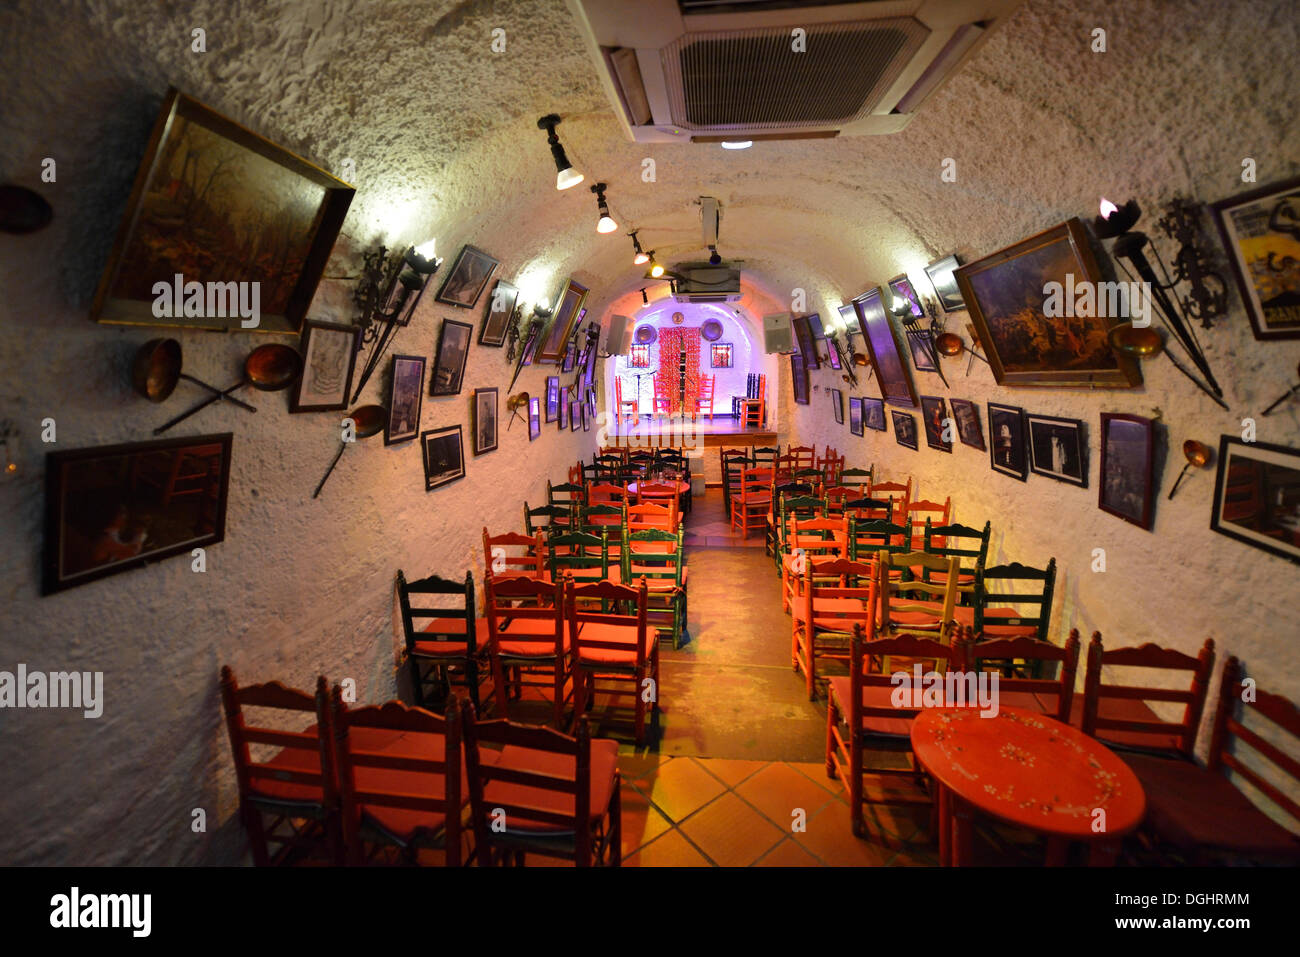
x=672, y=344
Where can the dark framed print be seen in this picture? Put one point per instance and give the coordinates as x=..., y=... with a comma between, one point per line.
x=804, y=340
x=1007, y=452
x=329, y=356
x=405, y=396
x=873, y=414
x=568, y=306
x=849, y=320
x=534, y=418
x=586, y=419
x=904, y=428
x=206, y=189
x=918, y=343
x=720, y=355
x=485, y=420
x=564, y=415
x=938, y=428
x=496, y=319
x=453, y=352
x=570, y=358
x=1010, y=294
x=967, y=416
x=467, y=277
x=884, y=350
x=855, y=416
x=639, y=357
x=1127, y=467
x=940, y=273
x=1058, y=448
x=833, y=352
x=552, y=397
x=1259, y=232
x=799, y=378
x=1257, y=496
x=837, y=404
x=118, y=507
x=444, y=456
x=902, y=289
x=591, y=402
x=575, y=415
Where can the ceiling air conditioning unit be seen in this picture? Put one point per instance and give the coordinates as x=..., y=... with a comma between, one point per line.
x=705, y=71
x=701, y=282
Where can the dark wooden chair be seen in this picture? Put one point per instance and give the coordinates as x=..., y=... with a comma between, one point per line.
x=511, y=554
x=1050, y=696
x=288, y=800
x=444, y=645
x=543, y=792
x=527, y=643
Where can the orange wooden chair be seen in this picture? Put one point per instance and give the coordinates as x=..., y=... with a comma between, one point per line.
x=1050, y=696
x=803, y=456
x=810, y=538
x=511, y=554
x=704, y=401
x=917, y=513
x=611, y=642
x=527, y=640
x=650, y=515
x=606, y=493
x=754, y=411
x=833, y=595
x=631, y=408
x=538, y=791
x=750, y=509
x=288, y=800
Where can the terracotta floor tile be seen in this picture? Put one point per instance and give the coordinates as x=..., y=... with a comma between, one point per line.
x=642, y=823
x=779, y=789
x=789, y=853
x=829, y=836
x=640, y=768
x=731, y=832
x=816, y=772
x=729, y=771
x=681, y=787
x=669, y=850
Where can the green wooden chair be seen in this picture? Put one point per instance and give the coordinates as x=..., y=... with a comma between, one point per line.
x=658, y=557
x=970, y=545
x=584, y=556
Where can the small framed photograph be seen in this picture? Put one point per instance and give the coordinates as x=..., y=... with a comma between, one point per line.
x=799, y=378
x=465, y=282
x=591, y=402
x=453, y=352
x=405, y=396
x=934, y=415
x=552, y=398
x=855, y=416
x=833, y=353
x=873, y=414
x=918, y=343
x=1058, y=448
x=1127, y=468
x=568, y=310
x=444, y=456
x=496, y=321
x=570, y=357
x=837, y=404
x=902, y=289
x=586, y=419
x=575, y=415
x=485, y=420
x=904, y=428
x=563, y=417
x=1257, y=496
x=329, y=356
x=1007, y=441
x=1259, y=233
x=967, y=416
x=534, y=418
x=940, y=273
x=804, y=340
x=720, y=355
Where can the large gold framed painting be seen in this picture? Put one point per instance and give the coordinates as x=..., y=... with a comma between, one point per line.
x=1261, y=232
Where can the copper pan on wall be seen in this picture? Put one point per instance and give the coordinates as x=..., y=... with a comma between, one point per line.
x=269, y=368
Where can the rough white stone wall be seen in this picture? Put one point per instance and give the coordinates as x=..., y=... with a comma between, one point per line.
x=443, y=135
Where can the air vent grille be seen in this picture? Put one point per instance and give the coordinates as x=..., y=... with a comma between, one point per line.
x=753, y=79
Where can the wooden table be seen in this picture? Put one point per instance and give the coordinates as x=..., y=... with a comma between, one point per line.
x=1027, y=770
x=682, y=487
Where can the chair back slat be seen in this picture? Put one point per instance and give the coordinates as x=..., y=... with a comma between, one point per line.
x=1023, y=648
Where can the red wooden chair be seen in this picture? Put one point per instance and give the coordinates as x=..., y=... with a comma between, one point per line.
x=626, y=407
x=527, y=640
x=833, y=595
x=804, y=456
x=611, y=642
x=704, y=401
x=1118, y=715
x=288, y=800
x=641, y=518
x=918, y=512
x=750, y=509
x=542, y=792
x=900, y=493
x=1052, y=697
x=1199, y=814
x=400, y=781
x=861, y=718
x=605, y=493
x=810, y=538
x=511, y=554
x=444, y=645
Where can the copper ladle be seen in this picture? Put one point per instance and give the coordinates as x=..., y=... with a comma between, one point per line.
x=367, y=421
x=1197, y=454
x=268, y=368
x=157, y=369
x=1285, y=395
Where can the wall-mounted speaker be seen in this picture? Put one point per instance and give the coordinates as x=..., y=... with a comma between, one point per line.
x=619, y=340
x=777, y=336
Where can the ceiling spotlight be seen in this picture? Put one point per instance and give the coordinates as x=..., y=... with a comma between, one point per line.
x=566, y=175
x=640, y=259
x=606, y=222
x=737, y=144
x=656, y=270
x=714, y=258
x=645, y=300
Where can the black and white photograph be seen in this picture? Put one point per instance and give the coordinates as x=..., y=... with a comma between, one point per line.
x=405, y=396
x=1058, y=448
x=945, y=283
x=837, y=404
x=485, y=420
x=453, y=351
x=969, y=428
x=904, y=428
x=1007, y=453
x=1257, y=496
x=873, y=414
x=855, y=416
x=329, y=355
x=534, y=418
x=1127, y=483
x=466, y=279
x=938, y=428
x=496, y=318
x=444, y=456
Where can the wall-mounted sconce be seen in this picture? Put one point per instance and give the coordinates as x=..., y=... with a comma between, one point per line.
x=541, y=312
x=388, y=292
x=23, y=210
x=565, y=175
x=1197, y=454
x=902, y=311
x=1208, y=298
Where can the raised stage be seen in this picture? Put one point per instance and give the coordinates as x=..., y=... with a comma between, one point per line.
x=672, y=432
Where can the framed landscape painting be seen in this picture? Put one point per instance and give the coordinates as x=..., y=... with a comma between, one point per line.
x=1006, y=294
x=1262, y=240
x=1257, y=496
x=884, y=349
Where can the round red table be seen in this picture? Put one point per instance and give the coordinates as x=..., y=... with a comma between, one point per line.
x=682, y=487
x=1028, y=770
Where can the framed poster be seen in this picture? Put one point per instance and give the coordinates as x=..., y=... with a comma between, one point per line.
x=329, y=356
x=837, y=404
x=935, y=418
x=904, y=428
x=1007, y=441
x=453, y=352
x=720, y=355
x=884, y=350
x=553, y=342
x=918, y=343
x=1257, y=496
x=940, y=273
x=467, y=277
x=799, y=378
x=1058, y=448
x=873, y=414
x=485, y=420
x=804, y=339
x=552, y=397
x=1008, y=296
x=444, y=456
x=1262, y=240
x=496, y=320
x=534, y=418
x=967, y=416
x=405, y=396
x=855, y=416
x=1127, y=468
